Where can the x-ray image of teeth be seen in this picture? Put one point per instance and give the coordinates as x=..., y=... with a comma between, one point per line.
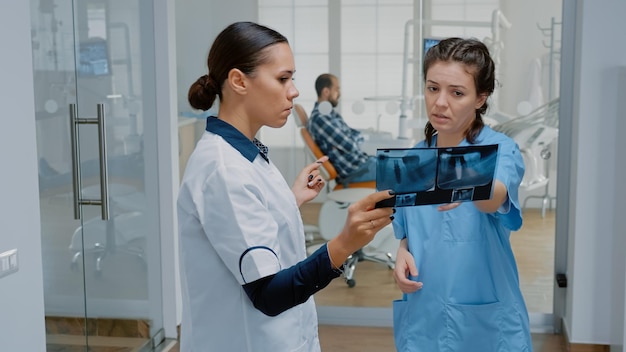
x=436, y=175
x=405, y=200
x=462, y=169
x=407, y=170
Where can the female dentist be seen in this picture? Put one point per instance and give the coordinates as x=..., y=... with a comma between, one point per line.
x=246, y=280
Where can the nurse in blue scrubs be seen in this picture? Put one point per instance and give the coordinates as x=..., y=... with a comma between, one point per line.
x=455, y=264
x=247, y=283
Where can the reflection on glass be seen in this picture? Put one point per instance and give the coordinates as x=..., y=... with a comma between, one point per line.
x=98, y=275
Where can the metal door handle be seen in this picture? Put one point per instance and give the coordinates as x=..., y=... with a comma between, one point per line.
x=104, y=168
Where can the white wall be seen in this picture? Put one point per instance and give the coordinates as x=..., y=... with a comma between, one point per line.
x=21, y=293
x=517, y=57
x=596, y=187
x=618, y=323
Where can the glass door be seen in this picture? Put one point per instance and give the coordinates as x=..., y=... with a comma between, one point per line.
x=93, y=64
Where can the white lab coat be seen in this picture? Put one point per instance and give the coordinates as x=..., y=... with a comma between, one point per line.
x=238, y=222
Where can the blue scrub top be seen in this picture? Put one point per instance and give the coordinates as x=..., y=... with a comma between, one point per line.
x=471, y=299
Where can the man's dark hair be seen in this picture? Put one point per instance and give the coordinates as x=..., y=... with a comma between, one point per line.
x=325, y=80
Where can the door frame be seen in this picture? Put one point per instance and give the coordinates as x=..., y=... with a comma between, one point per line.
x=566, y=105
x=168, y=168
x=539, y=322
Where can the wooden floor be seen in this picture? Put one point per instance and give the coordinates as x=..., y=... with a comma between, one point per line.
x=533, y=246
x=71, y=343
x=367, y=339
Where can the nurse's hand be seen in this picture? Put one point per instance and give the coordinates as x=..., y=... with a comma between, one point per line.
x=363, y=222
x=309, y=182
x=405, y=267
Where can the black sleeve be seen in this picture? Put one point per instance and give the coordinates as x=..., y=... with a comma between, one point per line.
x=289, y=287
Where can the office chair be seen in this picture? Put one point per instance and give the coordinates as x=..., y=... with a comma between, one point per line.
x=331, y=221
x=128, y=236
x=334, y=211
x=124, y=233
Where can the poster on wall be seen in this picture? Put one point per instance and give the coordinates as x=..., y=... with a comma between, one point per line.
x=421, y=176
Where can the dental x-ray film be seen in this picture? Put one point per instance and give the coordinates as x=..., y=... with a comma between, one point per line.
x=422, y=176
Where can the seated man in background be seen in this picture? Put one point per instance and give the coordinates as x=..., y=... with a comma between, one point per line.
x=336, y=139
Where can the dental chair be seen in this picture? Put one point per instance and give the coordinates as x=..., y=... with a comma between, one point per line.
x=334, y=210
x=300, y=117
x=314, y=152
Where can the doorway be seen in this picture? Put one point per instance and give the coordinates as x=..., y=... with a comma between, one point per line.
x=97, y=173
x=372, y=103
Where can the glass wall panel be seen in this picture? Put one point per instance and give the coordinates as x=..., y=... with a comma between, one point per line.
x=94, y=72
x=525, y=46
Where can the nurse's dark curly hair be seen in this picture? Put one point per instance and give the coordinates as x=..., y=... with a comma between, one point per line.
x=240, y=45
x=475, y=55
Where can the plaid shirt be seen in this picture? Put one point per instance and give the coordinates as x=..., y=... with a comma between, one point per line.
x=337, y=140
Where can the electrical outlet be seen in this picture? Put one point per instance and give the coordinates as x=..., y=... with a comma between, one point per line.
x=8, y=262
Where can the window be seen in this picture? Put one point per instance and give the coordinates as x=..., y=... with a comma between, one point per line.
x=371, y=54
x=305, y=24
